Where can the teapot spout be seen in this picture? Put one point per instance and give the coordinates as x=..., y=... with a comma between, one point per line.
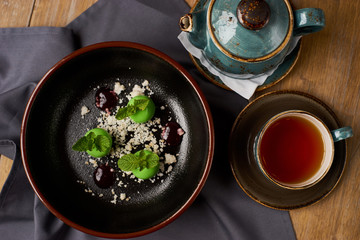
x=195, y=25
x=186, y=23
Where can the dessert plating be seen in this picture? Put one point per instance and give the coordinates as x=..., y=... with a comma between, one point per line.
x=129, y=137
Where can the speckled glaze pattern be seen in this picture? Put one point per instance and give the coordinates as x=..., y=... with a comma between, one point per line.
x=253, y=14
x=234, y=49
x=280, y=73
x=244, y=43
x=308, y=20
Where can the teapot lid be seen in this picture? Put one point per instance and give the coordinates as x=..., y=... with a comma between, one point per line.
x=250, y=30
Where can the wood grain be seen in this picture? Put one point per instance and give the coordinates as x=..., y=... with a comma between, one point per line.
x=16, y=13
x=328, y=68
x=190, y=2
x=58, y=13
x=5, y=167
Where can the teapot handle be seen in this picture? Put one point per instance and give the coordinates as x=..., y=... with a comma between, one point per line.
x=308, y=20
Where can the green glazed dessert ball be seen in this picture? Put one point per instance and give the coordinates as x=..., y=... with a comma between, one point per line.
x=96, y=153
x=145, y=173
x=144, y=115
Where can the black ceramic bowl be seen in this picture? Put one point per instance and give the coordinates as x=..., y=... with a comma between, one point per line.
x=52, y=122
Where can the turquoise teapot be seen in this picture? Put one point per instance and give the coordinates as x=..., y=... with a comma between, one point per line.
x=247, y=36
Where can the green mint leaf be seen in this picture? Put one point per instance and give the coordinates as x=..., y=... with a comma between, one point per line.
x=139, y=160
x=85, y=143
x=138, y=105
x=142, y=155
x=141, y=104
x=81, y=145
x=148, y=160
x=142, y=158
x=91, y=135
x=143, y=164
x=152, y=160
x=125, y=112
x=121, y=114
x=91, y=141
x=102, y=143
x=128, y=162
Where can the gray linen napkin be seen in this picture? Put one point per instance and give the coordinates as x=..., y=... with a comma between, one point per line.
x=221, y=211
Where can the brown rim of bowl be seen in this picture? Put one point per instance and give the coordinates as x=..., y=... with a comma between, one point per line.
x=331, y=112
x=172, y=63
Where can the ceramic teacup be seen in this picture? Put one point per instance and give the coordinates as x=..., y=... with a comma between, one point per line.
x=295, y=149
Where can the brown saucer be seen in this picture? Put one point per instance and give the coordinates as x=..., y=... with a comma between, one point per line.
x=243, y=164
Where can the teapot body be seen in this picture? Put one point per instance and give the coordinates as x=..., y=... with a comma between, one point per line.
x=215, y=27
x=232, y=67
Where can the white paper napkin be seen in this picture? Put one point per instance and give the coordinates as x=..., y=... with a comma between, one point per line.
x=243, y=84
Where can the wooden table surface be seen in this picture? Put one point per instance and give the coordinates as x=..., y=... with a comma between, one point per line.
x=328, y=68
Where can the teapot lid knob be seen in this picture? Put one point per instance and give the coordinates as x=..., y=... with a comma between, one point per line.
x=253, y=14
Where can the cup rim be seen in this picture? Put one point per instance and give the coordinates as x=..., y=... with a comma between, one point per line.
x=257, y=150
